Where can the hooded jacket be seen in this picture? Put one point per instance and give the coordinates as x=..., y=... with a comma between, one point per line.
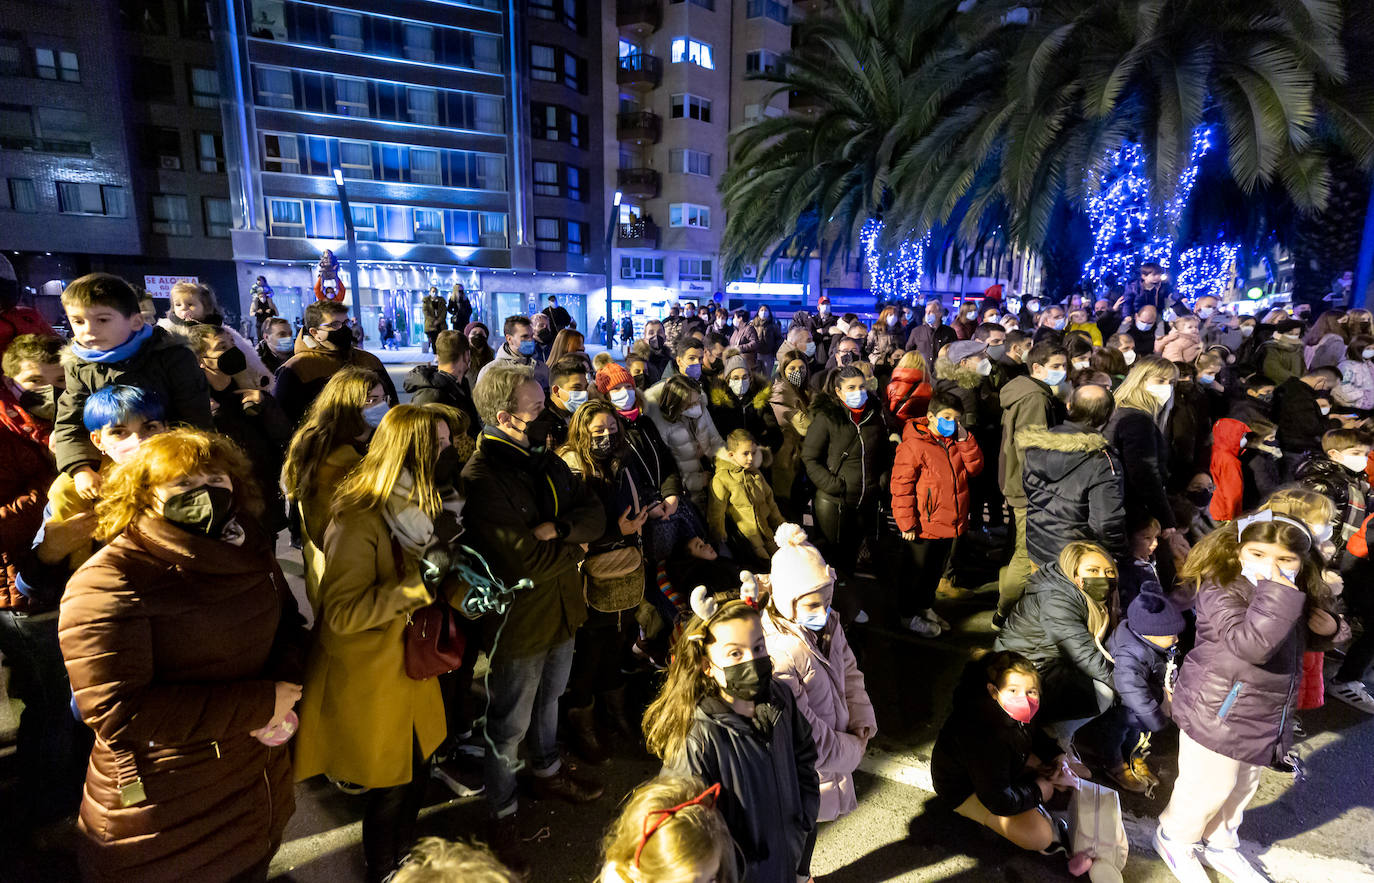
x=978, y=399
x=930, y=479
x=1026, y=402
x=1138, y=675
x=1228, y=498
x=908, y=394
x=24, y=481
x=745, y=338
x=254, y=376
x=426, y=383
x=1347, y=490
x=1298, y=417
x=301, y=380
x=1357, y=384
x=766, y=767
x=844, y=460
x=744, y=497
x=825, y=679
x=1049, y=626
x=693, y=443
x=1145, y=458
x=981, y=751
x=753, y=412
x=1281, y=360
x=1073, y=484
x=1238, y=686
x=163, y=365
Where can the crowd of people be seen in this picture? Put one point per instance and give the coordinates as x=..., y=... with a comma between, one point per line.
x=1178, y=492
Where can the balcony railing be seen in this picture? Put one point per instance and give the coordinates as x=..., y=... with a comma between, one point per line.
x=637, y=183
x=639, y=233
x=639, y=71
x=638, y=127
x=638, y=16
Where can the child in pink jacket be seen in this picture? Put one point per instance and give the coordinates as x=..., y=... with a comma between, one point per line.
x=811, y=656
x=1183, y=343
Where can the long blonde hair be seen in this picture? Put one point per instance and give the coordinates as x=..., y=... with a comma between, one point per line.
x=335, y=418
x=1147, y=369
x=1099, y=618
x=167, y=456
x=913, y=359
x=404, y=441
x=671, y=853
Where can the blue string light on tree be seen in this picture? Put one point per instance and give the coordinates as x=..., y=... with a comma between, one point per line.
x=896, y=274
x=1206, y=269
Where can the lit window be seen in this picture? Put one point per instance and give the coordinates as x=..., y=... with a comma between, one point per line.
x=693, y=270
x=280, y=154
x=424, y=167
x=546, y=179
x=690, y=162
x=114, y=200
x=572, y=71
x=274, y=87
x=364, y=221
x=347, y=31
x=204, y=87
x=573, y=177
x=45, y=62
x=422, y=106
x=171, y=216
x=287, y=217
x=429, y=226
x=79, y=199
x=686, y=214
x=486, y=53
x=694, y=51
x=691, y=107
x=355, y=159
x=218, y=220
x=546, y=235
x=577, y=234
x=210, y=152
x=492, y=230
x=543, y=63
x=23, y=195
x=419, y=42
x=350, y=97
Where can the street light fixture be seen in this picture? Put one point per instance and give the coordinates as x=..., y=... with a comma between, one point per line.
x=610, y=278
x=352, y=241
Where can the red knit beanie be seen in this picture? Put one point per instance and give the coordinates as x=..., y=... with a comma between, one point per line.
x=611, y=376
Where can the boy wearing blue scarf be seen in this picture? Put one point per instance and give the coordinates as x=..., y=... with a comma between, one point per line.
x=112, y=345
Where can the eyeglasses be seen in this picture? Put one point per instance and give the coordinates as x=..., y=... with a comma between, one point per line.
x=652, y=824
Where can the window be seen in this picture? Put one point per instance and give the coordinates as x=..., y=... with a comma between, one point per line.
x=419, y=44
x=755, y=112
x=23, y=196
x=355, y=159
x=553, y=122
x=486, y=114
x=53, y=64
x=422, y=106
x=573, y=71
x=346, y=31
x=690, y=162
x=486, y=53
x=16, y=121
x=577, y=235
x=566, y=12
x=491, y=230
x=280, y=154
x=364, y=221
x=546, y=179
x=641, y=268
x=274, y=87
x=210, y=151
x=761, y=61
x=205, y=87
x=114, y=199
x=547, y=236
x=11, y=59
x=693, y=270
x=350, y=97
x=767, y=9
x=573, y=178
x=217, y=217
x=692, y=107
x=686, y=214
x=170, y=216
x=164, y=148
x=424, y=167
x=429, y=226
x=543, y=63
x=694, y=51
x=63, y=125
x=286, y=217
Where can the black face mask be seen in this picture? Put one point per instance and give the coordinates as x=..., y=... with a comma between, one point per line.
x=749, y=680
x=232, y=361
x=478, y=342
x=1199, y=497
x=845, y=358
x=340, y=338
x=606, y=446
x=203, y=510
x=447, y=467
x=1099, y=587
x=40, y=402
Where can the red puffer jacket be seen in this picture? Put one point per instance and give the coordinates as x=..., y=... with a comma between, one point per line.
x=930, y=481
x=908, y=394
x=1227, y=435
x=25, y=475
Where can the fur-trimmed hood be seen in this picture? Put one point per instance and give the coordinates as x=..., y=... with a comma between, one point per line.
x=1066, y=438
x=947, y=370
x=760, y=393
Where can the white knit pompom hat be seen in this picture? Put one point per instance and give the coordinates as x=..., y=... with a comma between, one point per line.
x=798, y=569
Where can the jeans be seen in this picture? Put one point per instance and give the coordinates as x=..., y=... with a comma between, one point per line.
x=53, y=745
x=1011, y=582
x=523, y=699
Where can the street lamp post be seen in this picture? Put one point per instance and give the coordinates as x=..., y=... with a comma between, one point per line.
x=352, y=241
x=610, y=277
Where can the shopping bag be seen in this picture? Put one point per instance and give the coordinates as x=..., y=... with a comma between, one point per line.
x=1097, y=830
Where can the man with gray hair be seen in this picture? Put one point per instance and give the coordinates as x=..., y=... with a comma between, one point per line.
x=528, y=516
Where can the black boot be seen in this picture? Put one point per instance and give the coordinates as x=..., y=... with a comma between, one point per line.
x=613, y=706
x=583, y=738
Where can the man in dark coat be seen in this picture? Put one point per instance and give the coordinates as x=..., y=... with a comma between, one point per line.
x=1072, y=480
x=932, y=335
x=435, y=311
x=1298, y=415
x=446, y=382
x=529, y=516
x=324, y=346
x=559, y=318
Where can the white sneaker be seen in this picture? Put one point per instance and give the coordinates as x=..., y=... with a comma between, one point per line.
x=861, y=618
x=1233, y=865
x=923, y=627
x=1181, y=859
x=936, y=618
x=1353, y=693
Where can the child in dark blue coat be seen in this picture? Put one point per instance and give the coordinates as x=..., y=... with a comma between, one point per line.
x=1144, y=647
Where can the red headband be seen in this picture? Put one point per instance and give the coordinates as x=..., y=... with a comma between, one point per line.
x=652, y=824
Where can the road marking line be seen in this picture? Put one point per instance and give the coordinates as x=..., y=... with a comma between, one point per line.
x=1283, y=863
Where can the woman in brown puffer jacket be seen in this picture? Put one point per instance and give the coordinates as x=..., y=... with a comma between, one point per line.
x=184, y=646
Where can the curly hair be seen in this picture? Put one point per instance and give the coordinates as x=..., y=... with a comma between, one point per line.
x=128, y=490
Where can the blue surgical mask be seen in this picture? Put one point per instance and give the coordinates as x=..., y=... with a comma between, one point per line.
x=373, y=416
x=623, y=398
x=527, y=347
x=946, y=427
x=693, y=371
x=1058, y=324
x=811, y=350
x=855, y=398
x=815, y=620
x=284, y=344
x=1055, y=376
x=934, y=319
x=576, y=399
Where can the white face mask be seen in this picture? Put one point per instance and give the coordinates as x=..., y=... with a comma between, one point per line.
x=1161, y=391
x=1129, y=356
x=984, y=368
x=1255, y=572
x=623, y=398
x=1247, y=330
x=1354, y=462
x=1367, y=353
x=1205, y=312
x=739, y=387
x=1320, y=532
x=1243, y=443
x=1080, y=364
x=1325, y=409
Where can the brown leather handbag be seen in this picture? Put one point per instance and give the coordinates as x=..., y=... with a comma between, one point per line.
x=434, y=644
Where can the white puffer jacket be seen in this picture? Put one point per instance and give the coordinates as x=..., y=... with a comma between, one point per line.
x=690, y=440
x=1356, y=389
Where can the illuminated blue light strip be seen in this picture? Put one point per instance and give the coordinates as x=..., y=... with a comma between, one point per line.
x=415, y=21
x=389, y=124
x=330, y=50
